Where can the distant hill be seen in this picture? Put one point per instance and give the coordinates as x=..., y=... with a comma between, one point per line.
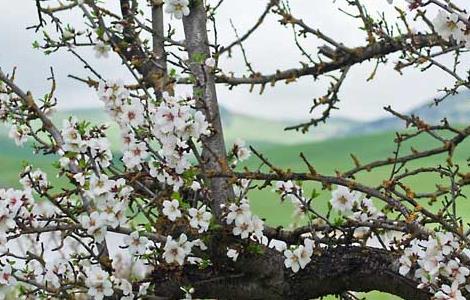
x=265, y=132
x=455, y=108
x=250, y=129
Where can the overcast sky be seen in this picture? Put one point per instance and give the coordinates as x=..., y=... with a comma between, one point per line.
x=269, y=49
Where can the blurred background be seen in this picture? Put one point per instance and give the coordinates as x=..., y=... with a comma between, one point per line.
x=360, y=126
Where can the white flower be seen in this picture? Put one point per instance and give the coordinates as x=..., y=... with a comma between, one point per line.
x=238, y=212
x=37, y=178
x=446, y=242
x=291, y=261
x=232, y=253
x=133, y=113
x=200, y=126
x=343, y=199
x=171, y=209
x=64, y=162
x=258, y=226
x=406, y=261
x=56, y=268
x=3, y=243
x=6, y=219
x=456, y=272
x=101, y=49
x=279, y=245
x=210, y=62
x=98, y=283
x=68, y=33
x=101, y=151
x=195, y=186
x=126, y=288
x=449, y=292
x=241, y=151
x=176, y=251
x=72, y=139
x=99, y=184
x=79, y=178
x=19, y=134
x=95, y=225
x=6, y=275
x=143, y=288
x=300, y=257
x=200, y=218
x=448, y=25
x=243, y=227
x=178, y=8
x=135, y=155
x=137, y=244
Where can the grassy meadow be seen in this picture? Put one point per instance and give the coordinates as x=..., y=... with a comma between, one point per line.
x=326, y=156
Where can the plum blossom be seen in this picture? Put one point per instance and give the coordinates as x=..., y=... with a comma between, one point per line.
x=199, y=218
x=448, y=25
x=240, y=150
x=6, y=218
x=19, y=133
x=98, y=283
x=135, y=155
x=456, y=271
x=137, y=244
x=133, y=113
x=95, y=225
x=72, y=137
x=171, y=209
x=176, y=251
x=36, y=178
x=238, y=212
x=101, y=49
x=343, y=199
x=243, y=227
x=195, y=186
x=278, y=245
x=178, y=8
x=6, y=275
x=232, y=253
x=126, y=288
x=449, y=292
x=297, y=259
x=210, y=62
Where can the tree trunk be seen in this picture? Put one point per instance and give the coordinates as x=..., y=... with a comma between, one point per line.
x=214, y=152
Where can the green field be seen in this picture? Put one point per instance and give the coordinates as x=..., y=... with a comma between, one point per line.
x=331, y=155
x=326, y=156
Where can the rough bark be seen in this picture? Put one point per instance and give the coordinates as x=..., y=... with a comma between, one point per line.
x=264, y=276
x=214, y=152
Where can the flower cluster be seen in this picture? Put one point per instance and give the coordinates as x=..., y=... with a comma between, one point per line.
x=110, y=201
x=126, y=111
x=245, y=223
x=175, y=124
x=175, y=251
x=90, y=143
x=36, y=180
x=448, y=25
x=435, y=262
x=297, y=258
x=199, y=218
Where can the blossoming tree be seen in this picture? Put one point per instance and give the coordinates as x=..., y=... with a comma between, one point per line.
x=176, y=200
